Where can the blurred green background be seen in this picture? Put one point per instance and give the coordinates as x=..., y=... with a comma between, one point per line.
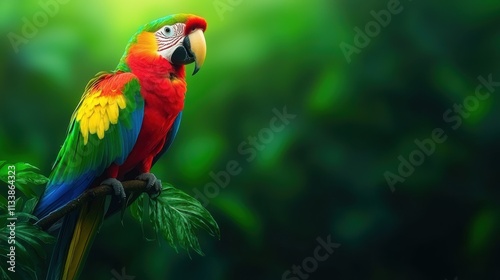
x=323, y=174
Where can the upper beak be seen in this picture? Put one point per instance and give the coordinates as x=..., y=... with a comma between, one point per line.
x=193, y=49
x=198, y=48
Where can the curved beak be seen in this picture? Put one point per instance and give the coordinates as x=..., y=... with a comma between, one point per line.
x=198, y=48
x=193, y=49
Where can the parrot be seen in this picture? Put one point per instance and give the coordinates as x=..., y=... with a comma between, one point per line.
x=125, y=120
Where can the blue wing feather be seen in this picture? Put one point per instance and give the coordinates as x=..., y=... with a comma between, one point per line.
x=170, y=137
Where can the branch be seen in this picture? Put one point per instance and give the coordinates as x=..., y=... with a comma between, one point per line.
x=102, y=190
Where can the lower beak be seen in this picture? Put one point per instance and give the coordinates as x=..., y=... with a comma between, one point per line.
x=193, y=49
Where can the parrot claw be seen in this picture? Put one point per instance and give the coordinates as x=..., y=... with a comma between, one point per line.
x=152, y=182
x=117, y=187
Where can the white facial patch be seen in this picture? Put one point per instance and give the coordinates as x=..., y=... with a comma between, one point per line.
x=169, y=38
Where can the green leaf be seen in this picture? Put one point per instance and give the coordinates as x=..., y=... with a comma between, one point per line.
x=29, y=177
x=22, y=166
x=29, y=206
x=26, y=177
x=23, y=176
x=3, y=172
x=177, y=217
x=136, y=208
x=29, y=245
x=34, y=238
x=27, y=209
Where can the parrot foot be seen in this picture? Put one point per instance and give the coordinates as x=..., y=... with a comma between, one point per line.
x=152, y=182
x=117, y=187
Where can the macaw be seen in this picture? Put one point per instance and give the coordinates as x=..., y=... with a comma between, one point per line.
x=125, y=121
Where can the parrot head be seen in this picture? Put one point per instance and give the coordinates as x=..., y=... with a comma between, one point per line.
x=167, y=44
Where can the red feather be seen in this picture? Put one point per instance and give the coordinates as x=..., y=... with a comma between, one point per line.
x=193, y=23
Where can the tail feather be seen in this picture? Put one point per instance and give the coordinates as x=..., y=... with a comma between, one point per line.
x=76, y=236
x=62, y=244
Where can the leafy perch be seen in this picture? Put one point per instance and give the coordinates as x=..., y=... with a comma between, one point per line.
x=174, y=215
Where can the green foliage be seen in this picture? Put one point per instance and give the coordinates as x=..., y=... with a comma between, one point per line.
x=29, y=239
x=25, y=175
x=176, y=216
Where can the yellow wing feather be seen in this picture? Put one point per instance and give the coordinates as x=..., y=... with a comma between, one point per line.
x=97, y=112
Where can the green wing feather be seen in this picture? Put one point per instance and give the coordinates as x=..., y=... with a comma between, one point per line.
x=103, y=131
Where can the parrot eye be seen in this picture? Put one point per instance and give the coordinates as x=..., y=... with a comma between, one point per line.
x=168, y=30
